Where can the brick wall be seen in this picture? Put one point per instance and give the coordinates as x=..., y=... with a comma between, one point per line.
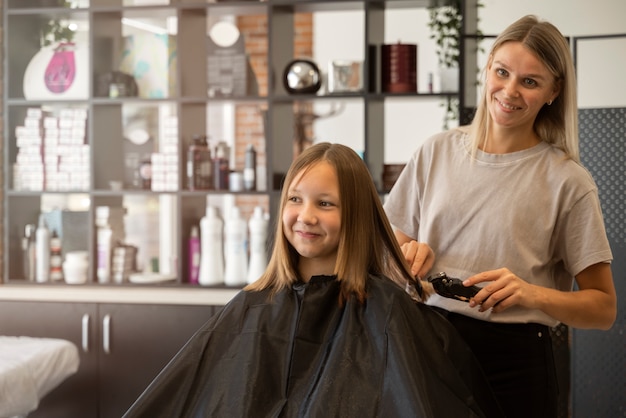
x=249, y=119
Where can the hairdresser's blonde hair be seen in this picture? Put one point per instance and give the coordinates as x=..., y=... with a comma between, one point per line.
x=557, y=123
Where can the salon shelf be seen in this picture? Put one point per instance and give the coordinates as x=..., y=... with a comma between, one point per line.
x=272, y=109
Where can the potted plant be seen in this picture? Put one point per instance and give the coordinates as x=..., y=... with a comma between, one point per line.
x=445, y=24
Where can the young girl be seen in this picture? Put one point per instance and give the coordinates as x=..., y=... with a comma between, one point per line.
x=324, y=332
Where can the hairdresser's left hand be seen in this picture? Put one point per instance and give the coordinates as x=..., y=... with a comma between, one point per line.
x=504, y=289
x=420, y=257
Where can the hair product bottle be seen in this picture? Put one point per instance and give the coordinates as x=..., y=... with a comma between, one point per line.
x=194, y=255
x=56, y=258
x=249, y=171
x=221, y=166
x=42, y=251
x=257, y=226
x=199, y=165
x=236, y=231
x=28, y=247
x=211, y=249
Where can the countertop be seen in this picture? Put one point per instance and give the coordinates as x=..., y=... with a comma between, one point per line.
x=142, y=294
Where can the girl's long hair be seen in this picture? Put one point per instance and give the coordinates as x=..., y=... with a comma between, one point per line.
x=367, y=244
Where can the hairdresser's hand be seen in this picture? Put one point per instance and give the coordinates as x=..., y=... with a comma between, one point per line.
x=420, y=257
x=504, y=289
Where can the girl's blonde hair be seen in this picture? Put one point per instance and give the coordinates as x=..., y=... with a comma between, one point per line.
x=367, y=244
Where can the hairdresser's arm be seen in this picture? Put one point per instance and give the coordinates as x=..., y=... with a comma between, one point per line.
x=594, y=305
x=419, y=255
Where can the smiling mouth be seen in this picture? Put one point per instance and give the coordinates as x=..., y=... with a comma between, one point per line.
x=306, y=234
x=507, y=106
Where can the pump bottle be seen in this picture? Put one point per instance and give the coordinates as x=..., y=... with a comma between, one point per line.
x=211, y=249
x=257, y=226
x=236, y=231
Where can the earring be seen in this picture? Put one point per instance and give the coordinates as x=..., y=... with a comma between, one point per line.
x=549, y=102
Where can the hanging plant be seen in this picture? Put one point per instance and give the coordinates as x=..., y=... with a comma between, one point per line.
x=445, y=24
x=445, y=27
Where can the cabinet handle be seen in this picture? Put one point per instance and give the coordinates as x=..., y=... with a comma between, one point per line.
x=106, y=334
x=85, y=335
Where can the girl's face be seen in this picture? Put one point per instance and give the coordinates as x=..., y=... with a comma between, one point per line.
x=518, y=86
x=312, y=217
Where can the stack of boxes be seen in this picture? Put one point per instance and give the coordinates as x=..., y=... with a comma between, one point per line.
x=51, y=151
x=165, y=162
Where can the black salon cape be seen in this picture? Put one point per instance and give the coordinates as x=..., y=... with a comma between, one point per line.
x=302, y=355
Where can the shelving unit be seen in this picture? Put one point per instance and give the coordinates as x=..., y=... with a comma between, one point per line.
x=272, y=109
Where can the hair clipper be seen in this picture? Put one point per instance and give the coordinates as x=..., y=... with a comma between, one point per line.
x=453, y=288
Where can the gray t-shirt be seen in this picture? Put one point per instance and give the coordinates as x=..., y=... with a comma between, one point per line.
x=533, y=211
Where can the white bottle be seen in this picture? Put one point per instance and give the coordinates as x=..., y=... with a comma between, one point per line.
x=211, y=249
x=236, y=252
x=257, y=226
x=42, y=251
x=104, y=250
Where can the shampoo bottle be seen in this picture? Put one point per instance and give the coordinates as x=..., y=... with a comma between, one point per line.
x=236, y=231
x=42, y=251
x=257, y=226
x=194, y=255
x=211, y=249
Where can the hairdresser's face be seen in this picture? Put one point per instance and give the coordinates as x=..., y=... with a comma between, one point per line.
x=518, y=86
x=312, y=216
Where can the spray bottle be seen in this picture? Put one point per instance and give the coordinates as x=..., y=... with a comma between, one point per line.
x=257, y=225
x=236, y=231
x=211, y=250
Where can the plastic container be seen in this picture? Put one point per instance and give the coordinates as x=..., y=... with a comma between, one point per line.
x=257, y=227
x=211, y=249
x=75, y=267
x=236, y=254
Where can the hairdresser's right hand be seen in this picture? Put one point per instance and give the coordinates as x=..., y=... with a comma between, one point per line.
x=420, y=257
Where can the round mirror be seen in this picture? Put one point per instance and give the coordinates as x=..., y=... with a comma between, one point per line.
x=302, y=76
